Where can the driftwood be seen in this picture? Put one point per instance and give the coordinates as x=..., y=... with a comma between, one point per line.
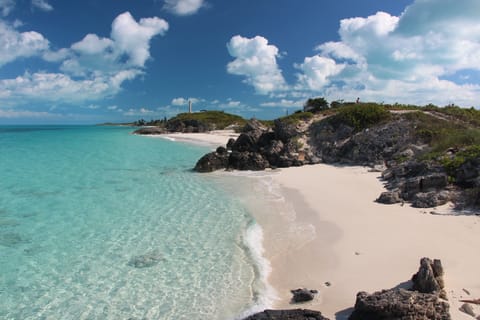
x=475, y=301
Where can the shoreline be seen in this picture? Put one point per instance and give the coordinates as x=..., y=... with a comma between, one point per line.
x=211, y=139
x=322, y=230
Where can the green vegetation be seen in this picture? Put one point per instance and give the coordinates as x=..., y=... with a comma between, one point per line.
x=296, y=117
x=316, y=105
x=216, y=119
x=361, y=116
x=467, y=115
x=451, y=164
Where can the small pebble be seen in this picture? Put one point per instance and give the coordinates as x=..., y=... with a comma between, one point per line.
x=328, y=284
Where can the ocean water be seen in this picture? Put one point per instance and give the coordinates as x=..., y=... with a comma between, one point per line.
x=96, y=223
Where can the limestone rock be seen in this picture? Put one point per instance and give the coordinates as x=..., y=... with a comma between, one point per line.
x=303, y=295
x=212, y=161
x=429, y=278
x=399, y=304
x=150, y=131
x=389, y=197
x=466, y=308
x=294, y=314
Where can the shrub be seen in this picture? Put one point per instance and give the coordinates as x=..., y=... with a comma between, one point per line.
x=361, y=116
x=315, y=105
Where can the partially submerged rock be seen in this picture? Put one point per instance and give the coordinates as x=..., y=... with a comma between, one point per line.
x=303, y=295
x=150, y=131
x=145, y=260
x=294, y=314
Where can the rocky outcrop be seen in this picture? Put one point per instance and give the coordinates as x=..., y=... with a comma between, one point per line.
x=421, y=183
x=423, y=301
x=303, y=295
x=187, y=126
x=150, y=131
x=429, y=278
x=259, y=147
x=399, y=304
x=294, y=314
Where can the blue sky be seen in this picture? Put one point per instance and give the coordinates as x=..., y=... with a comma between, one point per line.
x=92, y=61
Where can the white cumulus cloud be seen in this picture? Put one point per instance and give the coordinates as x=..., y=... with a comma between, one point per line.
x=183, y=7
x=15, y=44
x=133, y=38
x=412, y=58
x=42, y=5
x=257, y=61
x=91, y=69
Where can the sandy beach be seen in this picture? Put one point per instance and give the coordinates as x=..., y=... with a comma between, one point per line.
x=323, y=230
x=211, y=139
x=347, y=243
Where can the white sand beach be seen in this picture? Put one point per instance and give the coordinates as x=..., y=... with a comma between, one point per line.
x=360, y=245
x=212, y=139
x=323, y=230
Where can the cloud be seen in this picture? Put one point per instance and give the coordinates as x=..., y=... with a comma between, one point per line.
x=91, y=69
x=183, y=7
x=257, y=61
x=133, y=38
x=42, y=5
x=11, y=114
x=411, y=58
x=138, y=112
x=15, y=45
x=184, y=101
x=6, y=6
x=286, y=103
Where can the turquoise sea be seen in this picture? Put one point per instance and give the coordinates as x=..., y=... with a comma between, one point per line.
x=96, y=223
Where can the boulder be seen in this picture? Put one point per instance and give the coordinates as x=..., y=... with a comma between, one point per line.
x=303, y=295
x=399, y=304
x=294, y=314
x=430, y=199
x=389, y=197
x=230, y=143
x=212, y=161
x=429, y=278
x=247, y=161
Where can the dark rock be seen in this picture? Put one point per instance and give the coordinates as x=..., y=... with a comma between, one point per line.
x=212, y=161
x=285, y=131
x=429, y=199
x=254, y=125
x=428, y=279
x=294, y=314
x=399, y=304
x=150, y=131
x=146, y=260
x=247, y=161
x=389, y=197
x=221, y=150
x=188, y=125
x=246, y=142
x=467, y=175
x=230, y=143
x=303, y=295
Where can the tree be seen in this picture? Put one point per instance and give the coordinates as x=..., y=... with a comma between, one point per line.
x=315, y=105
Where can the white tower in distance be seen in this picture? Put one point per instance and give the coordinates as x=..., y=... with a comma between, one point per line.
x=189, y=106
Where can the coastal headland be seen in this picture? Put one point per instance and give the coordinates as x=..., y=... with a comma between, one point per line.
x=360, y=216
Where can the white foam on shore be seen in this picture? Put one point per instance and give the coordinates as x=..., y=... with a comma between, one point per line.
x=264, y=294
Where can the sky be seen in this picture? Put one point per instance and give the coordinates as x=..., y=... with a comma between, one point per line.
x=93, y=61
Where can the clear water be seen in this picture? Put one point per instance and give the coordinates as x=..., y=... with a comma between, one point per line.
x=81, y=206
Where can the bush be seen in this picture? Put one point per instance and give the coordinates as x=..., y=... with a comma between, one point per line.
x=315, y=105
x=361, y=116
x=452, y=164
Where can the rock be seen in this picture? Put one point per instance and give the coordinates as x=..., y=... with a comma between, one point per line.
x=399, y=304
x=146, y=260
x=303, y=295
x=389, y=197
x=150, y=131
x=466, y=308
x=429, y=199
x=428, y=279
x=247, y=161
x=212, y=161
x=254, y=125
x=246, y=142
x=294, y=314
x=221, y=150
x=230, y=143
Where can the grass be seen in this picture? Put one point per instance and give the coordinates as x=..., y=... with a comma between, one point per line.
x=361, y=116
x=217, y=119
x=296, y=117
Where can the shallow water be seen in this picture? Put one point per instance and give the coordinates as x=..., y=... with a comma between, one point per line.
x=96, y=223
